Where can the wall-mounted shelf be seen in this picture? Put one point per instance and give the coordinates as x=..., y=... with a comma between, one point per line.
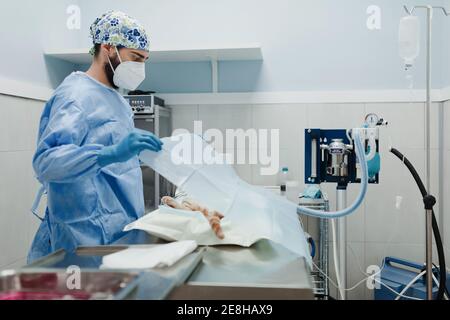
x=230, y=53
x=250, y=52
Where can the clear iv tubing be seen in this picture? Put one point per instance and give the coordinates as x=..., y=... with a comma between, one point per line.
x=360, y=152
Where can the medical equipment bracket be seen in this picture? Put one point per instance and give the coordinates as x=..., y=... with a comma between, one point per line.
x=428, y=213
x=316, y=159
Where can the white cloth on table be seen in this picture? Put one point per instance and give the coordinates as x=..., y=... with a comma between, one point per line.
x=159, y=256
x=173, y=225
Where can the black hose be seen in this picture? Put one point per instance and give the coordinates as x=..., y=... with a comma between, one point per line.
x=437, y=234
x=446, y=289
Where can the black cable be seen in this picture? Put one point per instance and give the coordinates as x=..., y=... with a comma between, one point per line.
x=446, y=289
x=437, y=234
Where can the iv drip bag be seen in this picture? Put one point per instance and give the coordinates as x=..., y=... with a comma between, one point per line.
x=409, y=39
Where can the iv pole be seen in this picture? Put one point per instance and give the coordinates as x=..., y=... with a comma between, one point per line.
x=429, y=200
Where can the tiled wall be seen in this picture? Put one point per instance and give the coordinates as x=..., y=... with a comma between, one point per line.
x=19, y=125
x=377, y=229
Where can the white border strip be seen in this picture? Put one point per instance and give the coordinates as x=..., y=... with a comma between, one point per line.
x=445, y=94
x=27, y=90
x=300, y=97
x=24, y=90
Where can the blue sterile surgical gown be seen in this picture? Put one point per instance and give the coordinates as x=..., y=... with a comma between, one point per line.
x=86, y=204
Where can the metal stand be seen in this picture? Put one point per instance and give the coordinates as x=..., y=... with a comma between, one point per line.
x=320, y=280
x=428, y=212
x=324, y=250
x=341, y=230
x=429, y=201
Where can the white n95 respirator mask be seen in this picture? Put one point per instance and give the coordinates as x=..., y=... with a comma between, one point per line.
x=128, y=74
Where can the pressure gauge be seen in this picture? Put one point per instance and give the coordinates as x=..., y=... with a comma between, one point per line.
x=372, y=120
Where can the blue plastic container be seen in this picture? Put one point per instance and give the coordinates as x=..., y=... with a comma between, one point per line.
x=397, y=273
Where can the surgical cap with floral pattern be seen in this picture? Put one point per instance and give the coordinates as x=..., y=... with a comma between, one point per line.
x=119, y=29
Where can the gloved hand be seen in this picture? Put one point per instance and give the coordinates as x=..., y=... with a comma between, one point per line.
x=132, y=145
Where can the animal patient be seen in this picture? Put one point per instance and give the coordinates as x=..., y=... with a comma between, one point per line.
x=213, y=217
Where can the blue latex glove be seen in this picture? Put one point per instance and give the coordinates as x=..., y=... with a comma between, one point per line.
x=131, y=146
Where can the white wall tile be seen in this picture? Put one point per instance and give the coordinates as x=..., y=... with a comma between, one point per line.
x=383, y=221
x=355, y=221
x=434, y=179
x=183, y=117
x=16, y=129
x=418, y=159
x=332, y=272
x=445, y=230
x=406, y=128
x=355, y=262
x=14, y=206
x=446, y=111
x=434, y=127
x=18, y=136
x=290, y=119
x=291, y=158
x=224, y=117
x=335, y=116
x=355, y=270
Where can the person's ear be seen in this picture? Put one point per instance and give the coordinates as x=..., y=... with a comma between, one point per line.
x=108, y=51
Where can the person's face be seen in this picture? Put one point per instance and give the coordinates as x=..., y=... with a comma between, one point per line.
x=126, y=55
